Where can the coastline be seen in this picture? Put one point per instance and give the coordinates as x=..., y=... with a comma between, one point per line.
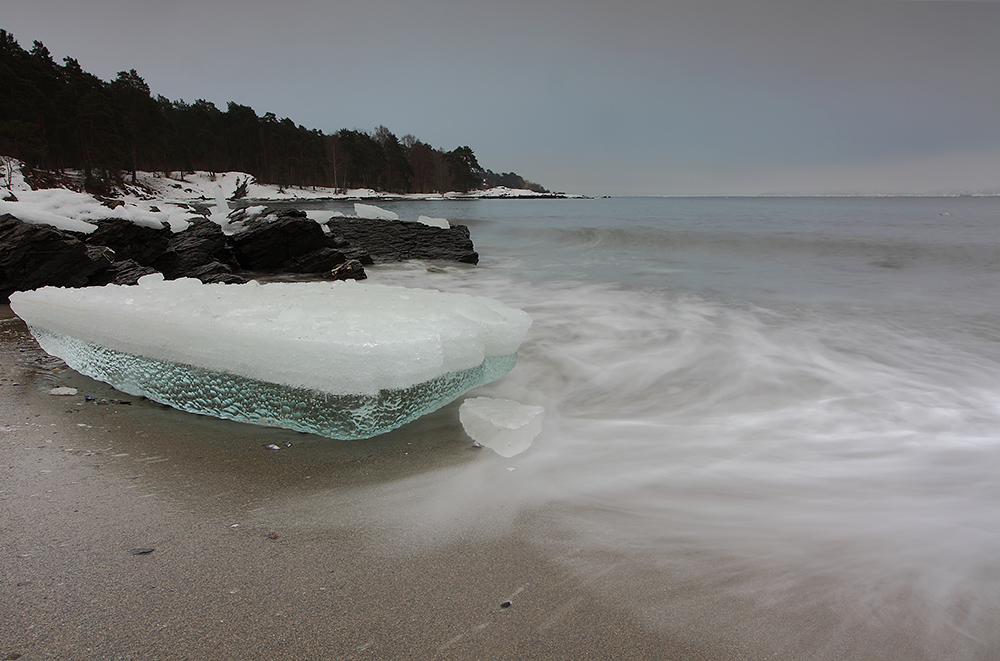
x=427, y=538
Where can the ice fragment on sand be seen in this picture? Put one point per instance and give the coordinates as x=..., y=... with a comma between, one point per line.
x=372, y=212
x=504, y=426
x=64, y=391
x=341, y=359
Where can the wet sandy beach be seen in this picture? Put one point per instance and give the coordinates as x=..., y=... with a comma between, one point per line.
x=256, y=552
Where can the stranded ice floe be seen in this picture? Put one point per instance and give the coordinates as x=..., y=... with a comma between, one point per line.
x=340, y=359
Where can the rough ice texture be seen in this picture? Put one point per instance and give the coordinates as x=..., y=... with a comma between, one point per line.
x=346, y=355
x=225, y=395
x=506, y=427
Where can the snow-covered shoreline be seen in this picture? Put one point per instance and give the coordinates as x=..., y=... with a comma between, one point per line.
x=158, y=200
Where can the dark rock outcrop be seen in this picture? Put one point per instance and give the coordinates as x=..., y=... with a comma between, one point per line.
x=201, y=251
x=33, y=256
x=130, y=241
x=276, y=241
x=122, y=272
x=318, y=261
x=395, y=240
x=213, y=272
x=273, y=243
x=103, y=256
x=349, y=270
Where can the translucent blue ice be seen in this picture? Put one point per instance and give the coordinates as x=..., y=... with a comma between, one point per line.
x=199, y=390
x=345, y=360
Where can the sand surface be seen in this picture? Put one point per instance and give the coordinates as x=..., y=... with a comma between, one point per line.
x=257, y=553
x=129, y=530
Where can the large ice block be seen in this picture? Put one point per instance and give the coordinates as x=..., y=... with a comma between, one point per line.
x=342, y=359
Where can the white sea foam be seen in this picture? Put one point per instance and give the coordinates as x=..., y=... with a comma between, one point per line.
x=799, y=458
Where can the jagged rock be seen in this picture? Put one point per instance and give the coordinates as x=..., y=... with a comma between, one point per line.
x=103, y=256
x=33, y=256
x=317, y=261
x=349, y=270
x=130, y=241
x=360, y=254
x=215, y=272
x=277, y=241
x=200, y=245
x=395, y=240
x=122, y=272
x=274, y=242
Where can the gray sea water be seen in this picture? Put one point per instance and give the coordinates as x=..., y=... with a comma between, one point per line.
x=793, y=402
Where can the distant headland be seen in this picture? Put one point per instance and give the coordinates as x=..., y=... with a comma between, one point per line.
x=56, y=117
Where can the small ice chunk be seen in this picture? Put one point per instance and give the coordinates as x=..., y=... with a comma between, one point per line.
x=372, y=212
x=434, y=222
x=506, y=427
x=63, y=391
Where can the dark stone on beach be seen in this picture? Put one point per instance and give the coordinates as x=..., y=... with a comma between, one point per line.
x=202, y=237
x=273, y=243
x=396, y=241
x=144, y=550
x=349, y=270
x=360, y=255
x=276, y=241
x=200, y=251
x=122, y=272
x=318, y=261
x=103, y=256
x=215, y=272
x=130, y=241
x=34, y=255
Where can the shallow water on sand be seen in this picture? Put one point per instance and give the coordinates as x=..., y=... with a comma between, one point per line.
x=787, y=401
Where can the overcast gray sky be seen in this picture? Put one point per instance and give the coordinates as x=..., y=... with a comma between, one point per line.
x=590, y=96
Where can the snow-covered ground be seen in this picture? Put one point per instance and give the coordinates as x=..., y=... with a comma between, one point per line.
x=160, y=200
